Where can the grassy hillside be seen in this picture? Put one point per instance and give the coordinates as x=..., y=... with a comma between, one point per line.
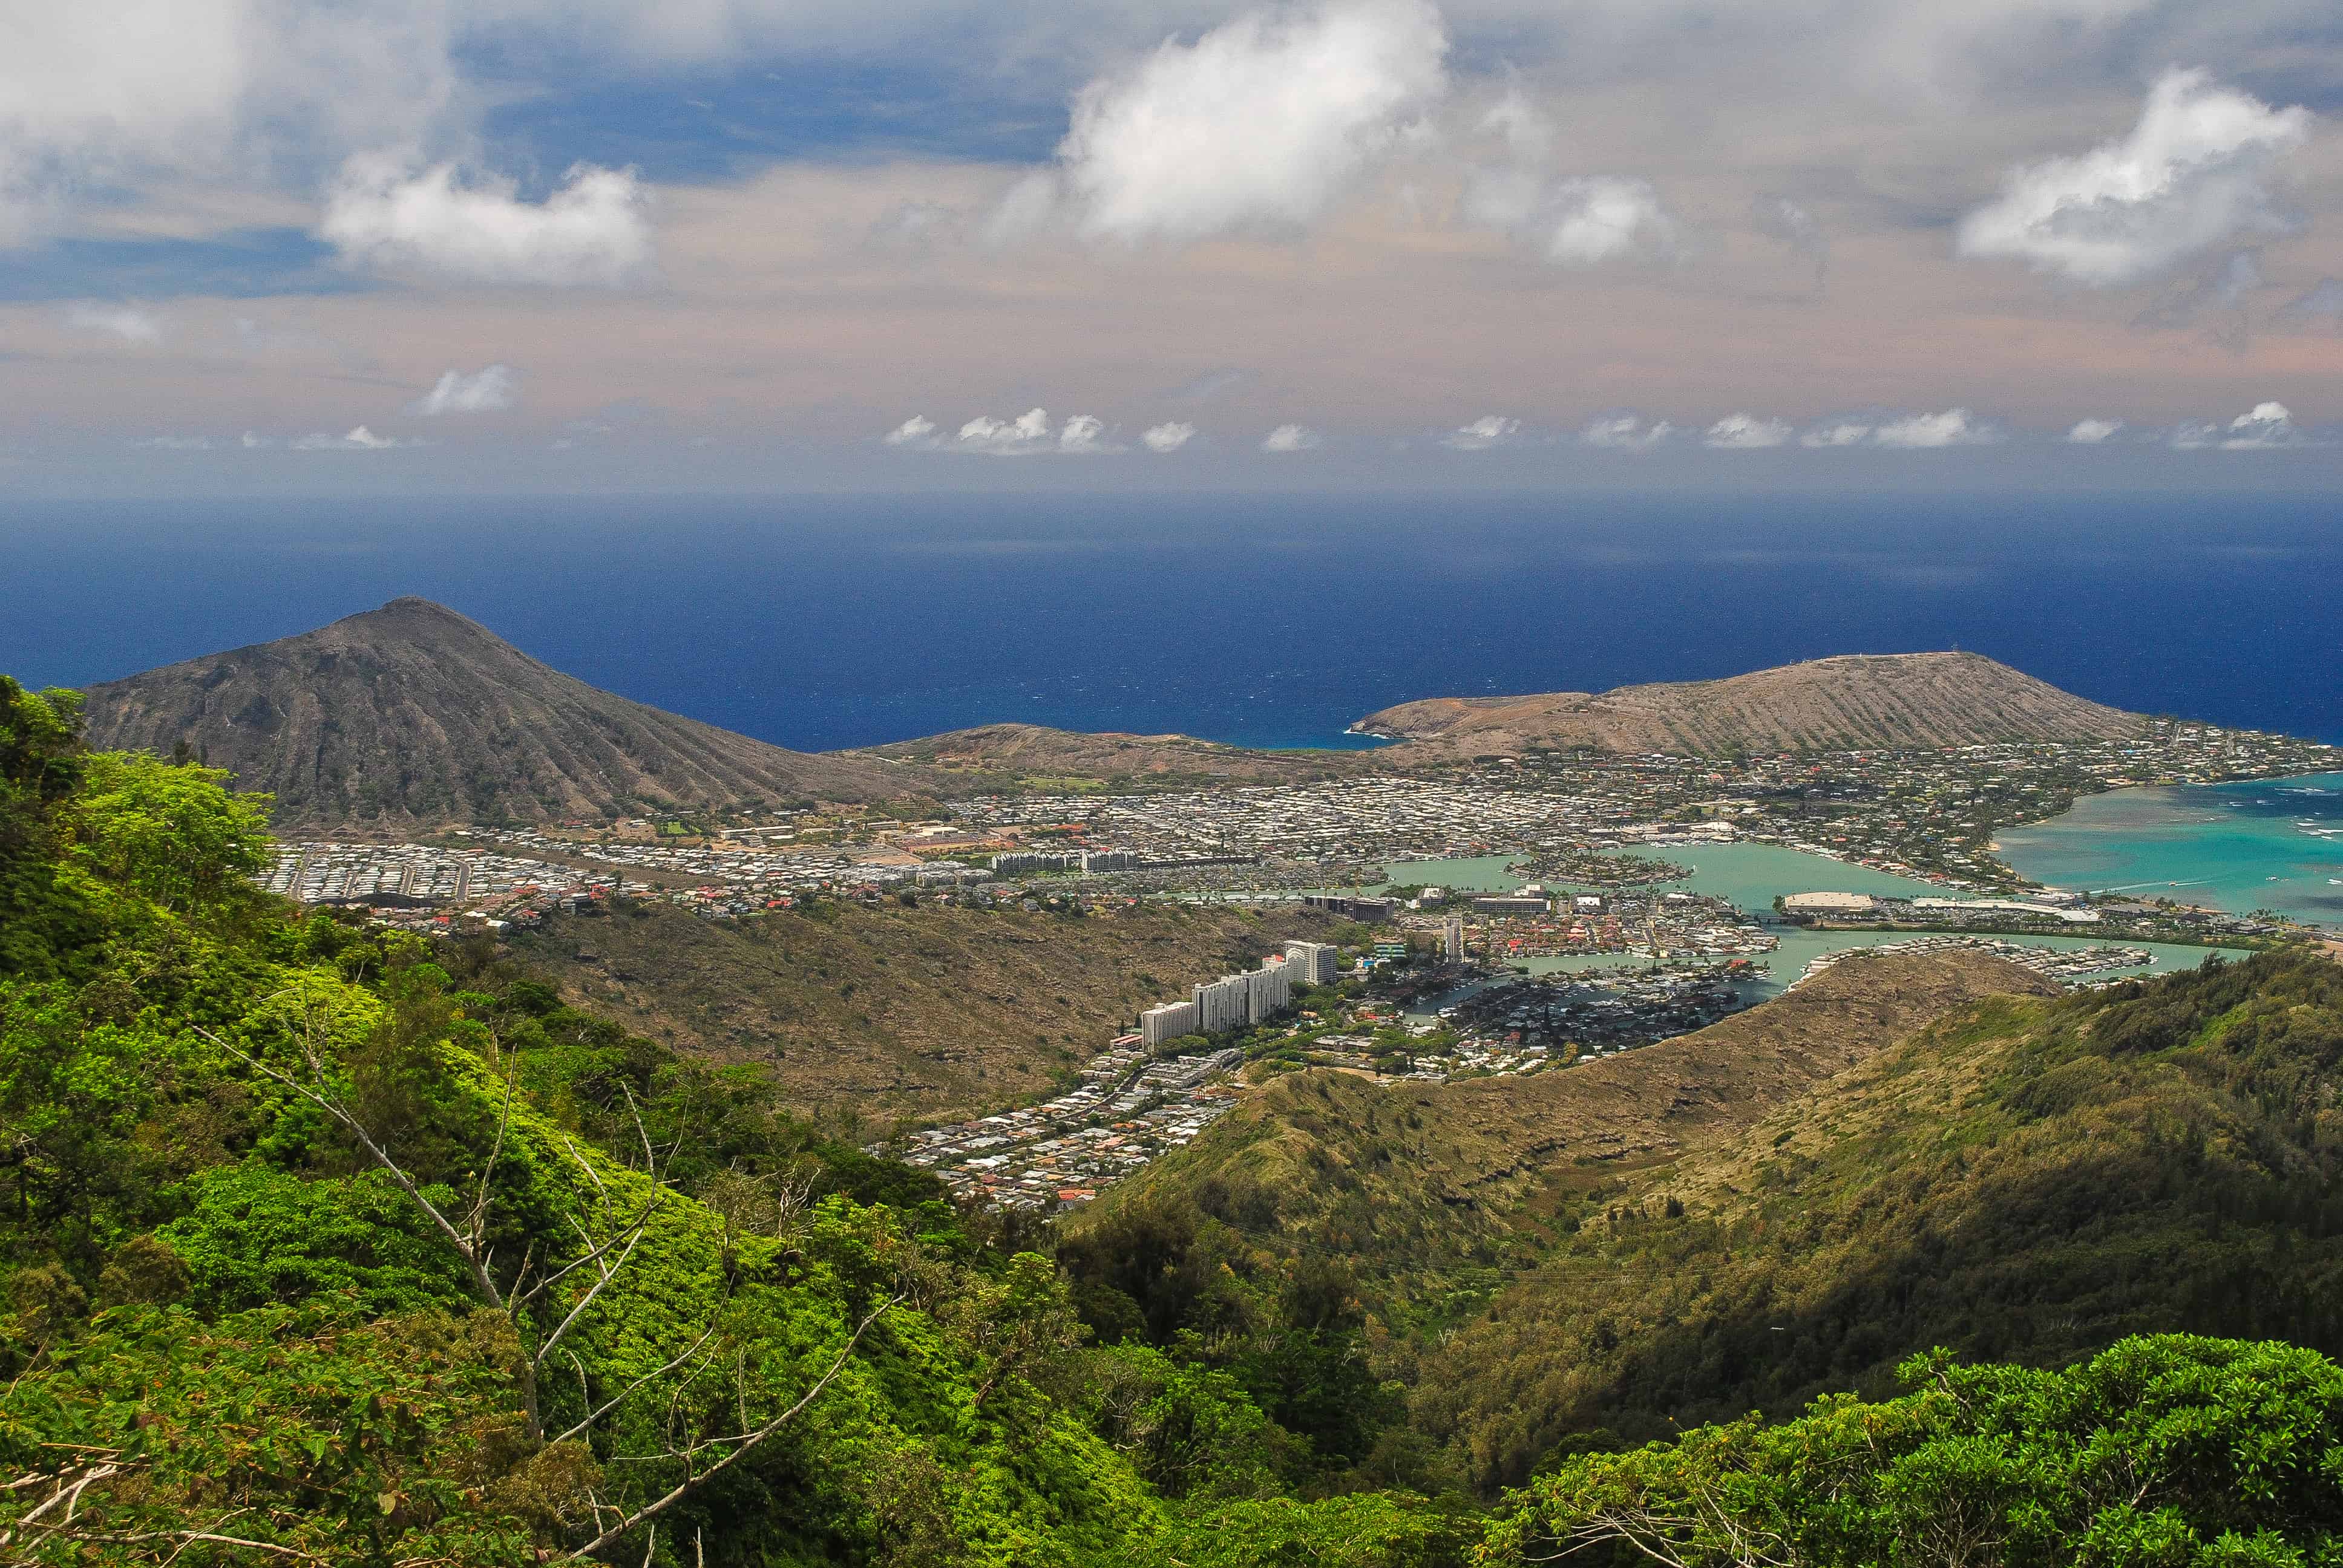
x=1003, y=756
x=2027, y=1180
x=1912, y=1155
x=891, y=1011
x=1432, y=1192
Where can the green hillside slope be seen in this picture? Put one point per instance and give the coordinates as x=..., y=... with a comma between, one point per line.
x=2027, y=1180
x=1786, y=1204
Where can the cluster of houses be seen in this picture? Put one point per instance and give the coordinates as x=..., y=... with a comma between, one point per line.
x=1127, y=1110
x=2068, y=966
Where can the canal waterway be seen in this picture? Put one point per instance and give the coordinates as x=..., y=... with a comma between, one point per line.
x=1750, y=877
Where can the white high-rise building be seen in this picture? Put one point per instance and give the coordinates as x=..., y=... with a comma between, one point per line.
x=1268, y=990
x=1451, y=940
x=1248, y=996
x=1168, y=1020
x=1223, y=1004
x=1311, y=963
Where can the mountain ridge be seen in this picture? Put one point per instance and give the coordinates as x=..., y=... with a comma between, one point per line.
x=412, y=715
x=1845, y=701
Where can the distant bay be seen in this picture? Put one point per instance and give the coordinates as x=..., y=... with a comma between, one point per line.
x=819, y=622
x=2273, y=844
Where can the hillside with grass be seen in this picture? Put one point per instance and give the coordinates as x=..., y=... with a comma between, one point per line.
x=2027, y=1180
x=2002, y=1173
x=924, y=1009
x=1428, y=1192
x=993, y=757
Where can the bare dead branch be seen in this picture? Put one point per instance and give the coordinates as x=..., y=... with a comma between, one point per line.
x=607, y=1271
x=477, y=1222
x=481, y=1279
x=611, y=1404
x=747, y=1444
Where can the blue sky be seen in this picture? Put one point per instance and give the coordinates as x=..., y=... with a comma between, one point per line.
x=588, y=244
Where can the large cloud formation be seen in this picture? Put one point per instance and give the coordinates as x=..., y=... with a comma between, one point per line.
x=1259, y=124
x=594, y=230
x=2193, y=176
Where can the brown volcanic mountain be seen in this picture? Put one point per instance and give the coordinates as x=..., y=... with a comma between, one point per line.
x=411, y=714
x=1854, y=701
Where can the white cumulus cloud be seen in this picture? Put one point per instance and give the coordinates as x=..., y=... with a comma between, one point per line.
x=1953, y=428
x=1836, y=433
x=1028, y=435
x=1487, y=431
x=2092, y=432
x=1263, y=123
x=594, y=230
x=484, y=391
x=360, y=439
x=2263, y=426
x=1578, y=222
x=1746, y=433
x=1290, y=438
x=1083, y=433
x=126, y=322
x=1626, y=433
x=1169, y=436
x=2194, y=175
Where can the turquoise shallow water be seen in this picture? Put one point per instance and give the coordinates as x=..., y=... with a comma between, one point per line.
x=1752, y=876
x=2275, y=844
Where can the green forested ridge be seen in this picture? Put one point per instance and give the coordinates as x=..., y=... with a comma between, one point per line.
x=322, y=1245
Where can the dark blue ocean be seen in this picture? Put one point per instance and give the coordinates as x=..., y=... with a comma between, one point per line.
x=1267, y=620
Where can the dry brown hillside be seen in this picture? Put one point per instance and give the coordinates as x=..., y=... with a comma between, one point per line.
x=1898, y=700
x=924, y=1011
x=411, y=714
x=994, y=754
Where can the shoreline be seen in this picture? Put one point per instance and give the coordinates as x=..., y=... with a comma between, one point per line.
x=2147, y=888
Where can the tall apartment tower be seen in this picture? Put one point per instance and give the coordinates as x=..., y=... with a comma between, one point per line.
x=1169, y=1021
x=1451, y=940
x=1311, y=963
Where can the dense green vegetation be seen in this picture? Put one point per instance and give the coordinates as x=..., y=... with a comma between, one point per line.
x=323, y=1244
x=2171, y=1451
